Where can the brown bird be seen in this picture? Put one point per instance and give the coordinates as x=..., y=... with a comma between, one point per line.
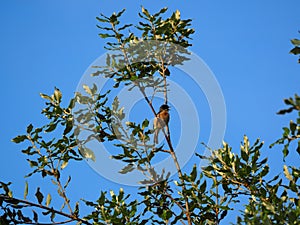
x=161, y=120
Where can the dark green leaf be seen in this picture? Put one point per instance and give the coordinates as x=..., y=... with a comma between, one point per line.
x=29, y=128
x=67, y=183
x=293, y=127
x=193, y=174
x=76, y=211
x=35, y=216
x=52, y=216
x=244, y=155
x=145, y=124
x=19, y=138
x=69, y=126
x=106, y=35
x=295, y=51
x=51, y=127
x=39, y=196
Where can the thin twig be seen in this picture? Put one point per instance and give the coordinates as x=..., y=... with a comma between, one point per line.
x=70, y=216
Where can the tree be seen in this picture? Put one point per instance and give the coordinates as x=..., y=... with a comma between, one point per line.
x=202, y=196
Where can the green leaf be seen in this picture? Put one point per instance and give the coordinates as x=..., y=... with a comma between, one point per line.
x=193, y=173
x=128, y=168
x=105, y=35
x=145, y=12
x=163, y=10
x=112, y=193
x=94, y=89
x=76, y=211
x=108, y=60
x=52, y=216
x=64, y=164
x=26, y=190
x=51, y=127
x=203, y=187
x=293, y=127
x=102, y=20
x=69, y=126
x=19, y=138
x=47, y=97
x=244, y=155
x=35, y=216
x=72, y=103
x=32, y=163
x=39, y=196
x=87, y=89
x=287, y=173
x=29, y=128
x=145, y=124
x=177, y=15
x=87, y=153
x=115, y=104
x=48, y=200
x=295, y=42
x=67, y=183
x=167, y=214
x=121, y=12
x=295, y=51
x=57, y=95
x=269, y=206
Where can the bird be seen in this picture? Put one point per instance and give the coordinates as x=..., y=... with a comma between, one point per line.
x=161, y=120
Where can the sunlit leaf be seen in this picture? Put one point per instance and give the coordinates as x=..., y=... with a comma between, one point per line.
x=57, y=95
x=48, y=200
x=87, y=89
x=47, y=97
x=87, y=153
x=145, y=12
x=295, y=42
x=177, y=15
x=287, y=173
x=64, y=164
x=26, y=190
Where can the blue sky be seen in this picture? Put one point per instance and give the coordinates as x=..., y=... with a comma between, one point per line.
x=51, y=43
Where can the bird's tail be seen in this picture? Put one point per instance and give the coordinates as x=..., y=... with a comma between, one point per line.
x=156, y=136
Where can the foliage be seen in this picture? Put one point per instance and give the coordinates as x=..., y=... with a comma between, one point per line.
x=202, y=196
x=296, y=49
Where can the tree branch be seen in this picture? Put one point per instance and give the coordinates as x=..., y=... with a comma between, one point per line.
x=8, y=199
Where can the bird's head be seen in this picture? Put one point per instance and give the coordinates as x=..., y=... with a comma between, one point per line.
x=164, y=107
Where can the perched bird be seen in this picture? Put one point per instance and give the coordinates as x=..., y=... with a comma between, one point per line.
x=161, y=120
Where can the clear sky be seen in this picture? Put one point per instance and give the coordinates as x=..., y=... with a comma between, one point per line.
x=51, y=43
